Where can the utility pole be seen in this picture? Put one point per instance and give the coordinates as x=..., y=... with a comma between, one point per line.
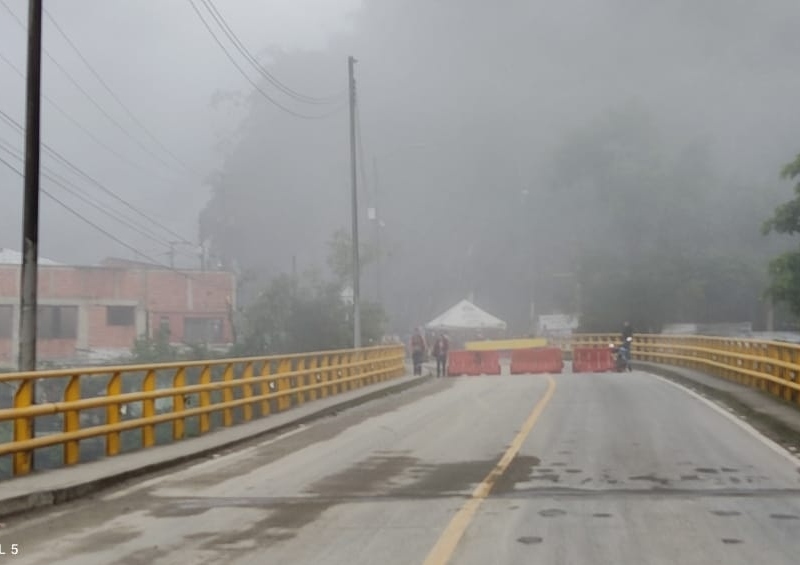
x=30, y=214
x=354, y=211
x=377, y=235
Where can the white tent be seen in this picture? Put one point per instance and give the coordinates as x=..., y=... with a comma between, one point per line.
x=466, y=316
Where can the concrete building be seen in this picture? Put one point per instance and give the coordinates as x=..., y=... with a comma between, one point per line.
x=90, y=314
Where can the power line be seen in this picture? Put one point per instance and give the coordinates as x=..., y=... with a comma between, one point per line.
x=71, y=188
x=250, y=80
x=108, y=89
x=215, y=13
x=94, y=181
x=80, y=216
x=113, y=237
x=84, y=129
x=88, y=96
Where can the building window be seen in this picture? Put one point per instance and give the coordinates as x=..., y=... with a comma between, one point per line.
x=120, y=315
x=202, y=330
x=57, y=322
x=6, y=321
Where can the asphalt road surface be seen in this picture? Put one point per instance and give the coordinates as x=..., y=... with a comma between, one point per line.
x=623, y=469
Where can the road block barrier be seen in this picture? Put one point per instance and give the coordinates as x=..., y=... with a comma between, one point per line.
x=490, y=362
x=473, y=363
x=592, y=360
x=537, y=360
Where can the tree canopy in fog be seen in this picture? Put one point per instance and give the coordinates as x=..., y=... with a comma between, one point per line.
x=616, y=153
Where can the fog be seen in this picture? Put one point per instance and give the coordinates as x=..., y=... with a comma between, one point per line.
x=511, y=141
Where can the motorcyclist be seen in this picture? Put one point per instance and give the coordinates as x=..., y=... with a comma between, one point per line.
x=624, y=355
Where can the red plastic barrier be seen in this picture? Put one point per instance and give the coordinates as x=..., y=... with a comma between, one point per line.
x=592, y=360
x=473, y=363
x=537, y=360
x=490, y=362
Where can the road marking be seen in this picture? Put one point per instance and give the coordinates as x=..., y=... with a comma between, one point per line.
x=446, y=545
x=729, y=414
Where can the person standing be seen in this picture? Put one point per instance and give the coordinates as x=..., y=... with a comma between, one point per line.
x=440, y=349
x=417, y=351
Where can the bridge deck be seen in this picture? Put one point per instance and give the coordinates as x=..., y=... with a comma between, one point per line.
x=616, y=468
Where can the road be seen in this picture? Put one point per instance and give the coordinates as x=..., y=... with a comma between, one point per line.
x=623, y=469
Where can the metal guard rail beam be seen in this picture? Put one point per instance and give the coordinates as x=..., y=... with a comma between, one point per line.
x=276, y=383
x=271, y=384
x=771, y=366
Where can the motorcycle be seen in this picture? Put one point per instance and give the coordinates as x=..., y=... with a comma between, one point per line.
x=622, y=356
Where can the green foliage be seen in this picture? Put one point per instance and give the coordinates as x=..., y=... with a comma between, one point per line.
x=154, y=350
x=784, y=270
x=340, y=256
x=290, y=316
x=660, y=238
x=669, y=288
x=786, y=219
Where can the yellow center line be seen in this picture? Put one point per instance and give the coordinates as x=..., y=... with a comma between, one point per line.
x=446, y=545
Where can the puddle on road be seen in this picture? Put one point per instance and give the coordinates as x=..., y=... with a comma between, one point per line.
x=551, y=513
x=726, y=513
x=364, y=478
x=519, y=471
x=385, y=475
x=650, y=479
x=784, y=516
x=529, y=540
x=551, y=477
x=731, y=541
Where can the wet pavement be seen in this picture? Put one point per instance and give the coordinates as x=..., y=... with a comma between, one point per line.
x=619, y=469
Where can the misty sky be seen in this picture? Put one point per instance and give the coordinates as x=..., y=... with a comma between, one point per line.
x=484, y=91
x=156, y=56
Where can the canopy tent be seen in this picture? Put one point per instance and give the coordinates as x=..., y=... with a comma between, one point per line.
x=466, y=316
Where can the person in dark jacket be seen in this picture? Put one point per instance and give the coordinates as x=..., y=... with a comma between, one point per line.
x=440, y=348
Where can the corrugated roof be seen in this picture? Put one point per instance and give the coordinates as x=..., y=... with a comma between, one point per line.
x=13, y=257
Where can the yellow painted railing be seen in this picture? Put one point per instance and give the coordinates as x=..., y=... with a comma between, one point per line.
x=107, y=402
x=770, y=366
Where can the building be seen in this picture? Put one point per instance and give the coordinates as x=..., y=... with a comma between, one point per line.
x=557, y=325
x=91, y=314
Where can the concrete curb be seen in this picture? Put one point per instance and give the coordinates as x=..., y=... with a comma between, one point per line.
x=69, y=490
x=783, y=430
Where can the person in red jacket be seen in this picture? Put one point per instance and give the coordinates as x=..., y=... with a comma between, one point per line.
x=440, y=349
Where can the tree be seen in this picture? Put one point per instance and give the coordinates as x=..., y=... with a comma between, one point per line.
x=340, y=256
x=659, y=237
x=296, y=316
x=784, y=270
x=153, y=350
